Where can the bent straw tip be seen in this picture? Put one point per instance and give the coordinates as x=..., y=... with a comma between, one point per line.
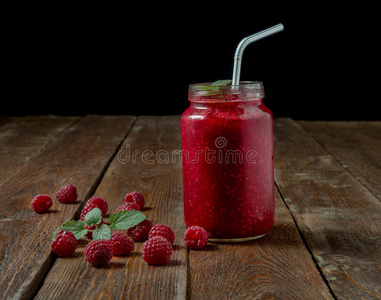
x=246, y=41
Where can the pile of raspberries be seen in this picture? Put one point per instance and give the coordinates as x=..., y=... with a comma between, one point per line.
x=158, y=239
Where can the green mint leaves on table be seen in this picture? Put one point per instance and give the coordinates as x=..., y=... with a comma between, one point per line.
x=121, y=220
x=126, y=219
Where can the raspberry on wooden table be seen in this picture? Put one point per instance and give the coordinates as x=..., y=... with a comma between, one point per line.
x=196, y=237
x=67, y=194
x=162, y=230
x=135, y=197
x=122, y=244
x=98, y=252
x=41, y=203
x=64, y=243
x=140, y=232
x=100, y=203
x=128, y=206
x=157, y=251
x=88, y=207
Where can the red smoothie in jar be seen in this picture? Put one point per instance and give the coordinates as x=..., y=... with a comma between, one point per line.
x=228, y=167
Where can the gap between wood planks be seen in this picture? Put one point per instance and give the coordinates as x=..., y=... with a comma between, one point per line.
x=188, y=278
x=144, y=135
x=299, y=229
x=89, y=194
x=343, y=165
x=352, y=278
x=103, y=171
x=305, y=243
x=21, y=139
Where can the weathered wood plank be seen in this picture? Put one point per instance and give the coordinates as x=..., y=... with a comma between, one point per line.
x=356, y=145
x=24, y=138
x=7, y=120
x=78, y=156
x=338, y=217
x=142, y=165
x=277, y=266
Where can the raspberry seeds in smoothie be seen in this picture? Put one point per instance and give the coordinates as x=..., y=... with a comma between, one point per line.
x=228, y=176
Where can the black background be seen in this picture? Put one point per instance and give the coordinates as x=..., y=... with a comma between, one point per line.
x=140, y=59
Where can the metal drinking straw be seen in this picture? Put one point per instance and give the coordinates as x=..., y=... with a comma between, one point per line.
x=244, y=43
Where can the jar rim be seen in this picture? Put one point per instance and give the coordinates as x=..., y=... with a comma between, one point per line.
x=241, y=84
x=245, y=91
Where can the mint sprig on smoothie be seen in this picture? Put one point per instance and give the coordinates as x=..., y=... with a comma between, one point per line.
x=214, y=89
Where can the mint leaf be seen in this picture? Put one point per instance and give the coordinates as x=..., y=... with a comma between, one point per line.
x=126, y=219
x=213, y=89
x=76, y=227
x=103, y=232
x=223, y=82
x=206, y=89
x=55, y=233
x=93, y=217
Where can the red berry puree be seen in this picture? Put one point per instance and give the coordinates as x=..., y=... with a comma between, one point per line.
x=228, y=167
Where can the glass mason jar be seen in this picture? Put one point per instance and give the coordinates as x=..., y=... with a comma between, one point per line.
x=228, y=161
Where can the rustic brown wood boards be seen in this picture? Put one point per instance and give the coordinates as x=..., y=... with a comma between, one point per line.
x=325, y=244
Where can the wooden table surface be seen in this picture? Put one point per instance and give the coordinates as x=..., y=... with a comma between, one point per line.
x=325, y=244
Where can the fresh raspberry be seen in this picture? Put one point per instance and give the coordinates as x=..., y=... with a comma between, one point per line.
x=196, y=237
x=41, y=203
x=65, y=243
x=140, y=232
x=122, y=244
x=128, y=206
x=67, y=194
x=135, y=197
x=100, y=203
x=162, y=230
x=89, y=234
x=86, y=209
x=157, y=251
x=98, y=252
